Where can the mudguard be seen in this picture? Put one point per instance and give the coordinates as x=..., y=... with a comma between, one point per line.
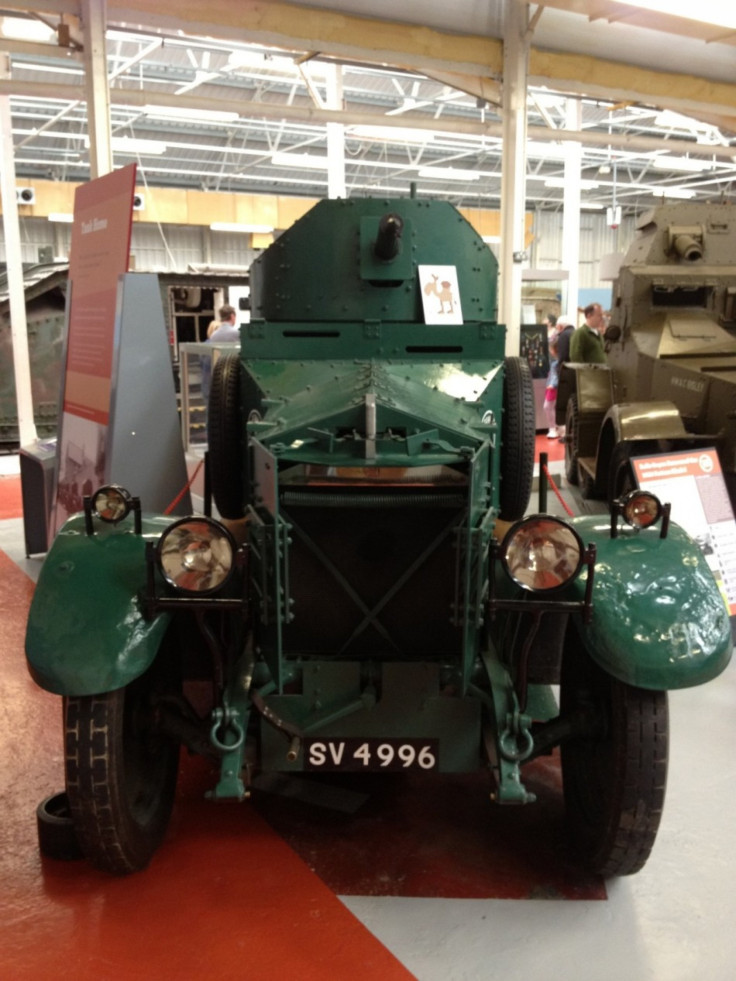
x=86, y=631
x=659, y=619
x=634, y=421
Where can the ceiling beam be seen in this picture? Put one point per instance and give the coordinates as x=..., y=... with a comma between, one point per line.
x=640, y=17
x=610, y=80
x=304, y=28
x=424, y=49
x=137, y=98
x=481, y=87
x=427, y=49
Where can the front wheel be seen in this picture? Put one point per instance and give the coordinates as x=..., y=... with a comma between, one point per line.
x=120, y=775
x=517, y=445
x=614, y=776
x=227, y=455
x=572, y=423
x=621, y=476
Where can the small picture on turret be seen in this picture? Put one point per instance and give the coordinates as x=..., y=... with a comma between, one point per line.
x=440, y=295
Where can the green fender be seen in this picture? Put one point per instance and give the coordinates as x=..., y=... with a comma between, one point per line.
x=86, y=632
x=659, y=619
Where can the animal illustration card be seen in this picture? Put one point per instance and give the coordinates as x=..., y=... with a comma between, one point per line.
x=440, y=295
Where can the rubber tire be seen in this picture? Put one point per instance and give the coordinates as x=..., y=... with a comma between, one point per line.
x=571, y=441
x=518, y=439
x=120, y=776
x=614, y=783
x=621, y=477
x=586, y=484
x=56, y=835
x=226, y=436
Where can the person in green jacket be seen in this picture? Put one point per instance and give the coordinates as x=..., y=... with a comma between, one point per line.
x=586, y=344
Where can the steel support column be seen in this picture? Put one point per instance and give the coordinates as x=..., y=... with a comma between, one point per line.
x=513, y=171
x=571, y=212
x=335, y=136
x=94, y=16
x=14, y=261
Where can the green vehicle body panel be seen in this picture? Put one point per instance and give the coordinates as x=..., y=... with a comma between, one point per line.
x=323, y=269
x=411, y=706
x=86, y=631
x=440, y=408
x=659, y=620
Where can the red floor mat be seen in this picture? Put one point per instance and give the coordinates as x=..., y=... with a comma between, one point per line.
x=225, y=897
x=438, y=835
x=11, y=502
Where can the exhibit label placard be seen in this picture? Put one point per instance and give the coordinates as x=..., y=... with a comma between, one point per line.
x=692, y=482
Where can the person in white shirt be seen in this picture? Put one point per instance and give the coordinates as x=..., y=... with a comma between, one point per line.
x=227, y=330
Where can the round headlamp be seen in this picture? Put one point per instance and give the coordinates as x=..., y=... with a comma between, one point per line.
x=542, y=553
x=112, y=503
x=640, y=509
x=196, y=555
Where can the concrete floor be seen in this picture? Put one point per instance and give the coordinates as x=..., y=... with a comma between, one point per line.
x=237, y=893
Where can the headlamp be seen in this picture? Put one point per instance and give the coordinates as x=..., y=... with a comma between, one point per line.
x=112, y=503
x=640, y=509
x=541, y=553
x=196, y=555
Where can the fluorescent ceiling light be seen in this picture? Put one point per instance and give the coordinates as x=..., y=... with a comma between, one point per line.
x=491, y=239
x=718, y=12
x=236, y=226
x=258, y=59
x=448, y=174
x=307, y=161
x=550, y=100
x=396, y=134
x=690, y=164
x=26, y=29
x=126, y=144
x=673, y=192
x=547, y=151
x=668, y=119
x=585, y=185
x=53, y=69
x=193, y=115
x=61, y=216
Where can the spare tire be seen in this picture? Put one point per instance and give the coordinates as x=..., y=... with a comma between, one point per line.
x=227, y=438
x=517, y=439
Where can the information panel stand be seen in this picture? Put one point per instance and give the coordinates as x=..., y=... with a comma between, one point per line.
x=144, y=449
x=692, y=482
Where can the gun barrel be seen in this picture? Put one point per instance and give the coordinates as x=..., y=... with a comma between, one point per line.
x=388, y=240
x=688, y=247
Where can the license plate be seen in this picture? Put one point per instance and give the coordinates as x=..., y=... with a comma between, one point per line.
x=370, y=754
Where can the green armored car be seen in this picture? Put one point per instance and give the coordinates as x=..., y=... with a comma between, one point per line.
x=374, y=595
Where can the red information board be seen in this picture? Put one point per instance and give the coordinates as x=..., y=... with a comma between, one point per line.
x=100, y=250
